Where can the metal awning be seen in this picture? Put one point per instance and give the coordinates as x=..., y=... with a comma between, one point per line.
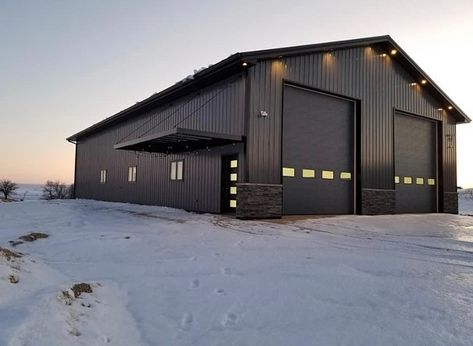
x=178, y=140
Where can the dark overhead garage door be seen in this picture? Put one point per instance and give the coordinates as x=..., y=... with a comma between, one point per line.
x=415, y=165
x=318, y=153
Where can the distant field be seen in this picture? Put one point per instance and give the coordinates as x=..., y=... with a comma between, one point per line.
x=28, y=192
x=465, y=202
x=467, y=193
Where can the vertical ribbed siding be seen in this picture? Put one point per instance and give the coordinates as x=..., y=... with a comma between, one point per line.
x=379, y=83
x=216, y=109
x=449, y=156
x=219, y=108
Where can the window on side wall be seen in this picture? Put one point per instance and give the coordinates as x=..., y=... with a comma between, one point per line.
x=177, y=170
x=103, y=176
x=132, y=174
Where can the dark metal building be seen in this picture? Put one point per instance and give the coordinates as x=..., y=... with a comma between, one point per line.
x=334, y=128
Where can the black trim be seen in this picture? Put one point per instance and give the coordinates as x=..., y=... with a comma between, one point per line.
x=318, y=90
x=440, y=167
x=358, y=172
x=75, y=173
x=246, y=172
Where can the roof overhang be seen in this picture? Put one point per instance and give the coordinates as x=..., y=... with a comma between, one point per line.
x=385, y=43
x=231, y=66
x=178, y=140
x=239, y=62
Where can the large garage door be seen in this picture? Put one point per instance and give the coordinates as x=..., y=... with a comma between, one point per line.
x=318, y=153
x=415, y=165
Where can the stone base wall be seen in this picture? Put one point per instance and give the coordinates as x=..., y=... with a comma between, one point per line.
x=377, y=202
x=259, y=201
x=450, y=202
x=264, y=201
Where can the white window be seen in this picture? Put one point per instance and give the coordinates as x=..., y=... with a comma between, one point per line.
x=177, y=169
x=288, y=172
x=132, y=174
x=308, y=173
x=180, y=167
x=103, y=176
x=327, y=175
x=345, y=175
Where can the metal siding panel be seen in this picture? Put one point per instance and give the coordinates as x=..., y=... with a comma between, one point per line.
x=380, y=83
x=217, y=109
x=449, y=154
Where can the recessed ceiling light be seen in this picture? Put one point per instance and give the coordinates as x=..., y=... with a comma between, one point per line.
x=244, y=64
x=450, y=107
x=440, y=109
x=393, y=52
x=383, y=55
x=423, y=81
x=413, y=84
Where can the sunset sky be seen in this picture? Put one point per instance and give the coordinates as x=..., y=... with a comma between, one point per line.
x=65, y=65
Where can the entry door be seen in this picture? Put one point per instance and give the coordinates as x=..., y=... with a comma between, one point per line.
x=229, y=181
x=415, y=164
x=318, y=153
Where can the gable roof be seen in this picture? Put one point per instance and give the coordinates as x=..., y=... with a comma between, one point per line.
x=234, y=64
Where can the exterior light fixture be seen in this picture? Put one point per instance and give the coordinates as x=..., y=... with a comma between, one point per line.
x=423, y=81
x=393, y=52
x=440, y=109
x=244, y=64
x=263, y=114
x=450, y=107
x=383, y=55
x=413, y=84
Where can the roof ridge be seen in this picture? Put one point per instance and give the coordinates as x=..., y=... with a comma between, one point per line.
x=233, y=64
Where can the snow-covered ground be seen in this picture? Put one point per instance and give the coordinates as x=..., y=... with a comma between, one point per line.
x=162, y=276
x=465, y=202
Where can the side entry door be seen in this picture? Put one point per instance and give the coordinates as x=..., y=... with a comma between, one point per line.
x=229, y=181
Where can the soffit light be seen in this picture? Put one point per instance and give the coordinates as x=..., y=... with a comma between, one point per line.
x=423, y=81
x=393, y=52
x=450, y=107
x=244, y=64
x=413, y=84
